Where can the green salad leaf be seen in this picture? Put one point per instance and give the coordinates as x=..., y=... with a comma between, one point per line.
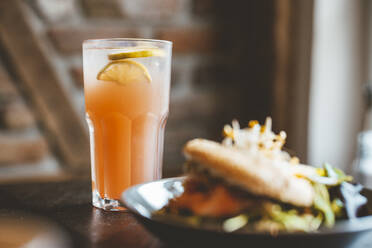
x=330, y=176
x=293, y=221
x=337, y=207
x=337, y=174
x=322, y=203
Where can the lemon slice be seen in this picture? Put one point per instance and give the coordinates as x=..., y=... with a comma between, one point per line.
x=124, y=72
x=136, y=54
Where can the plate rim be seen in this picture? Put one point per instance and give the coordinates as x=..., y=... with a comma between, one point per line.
x=361, y=224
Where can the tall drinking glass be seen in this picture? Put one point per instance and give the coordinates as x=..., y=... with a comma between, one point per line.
x=126, y=86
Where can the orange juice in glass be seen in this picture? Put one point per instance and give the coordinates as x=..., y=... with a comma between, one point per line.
x=126, y=86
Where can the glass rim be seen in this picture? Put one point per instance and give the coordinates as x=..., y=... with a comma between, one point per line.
x=95, y=41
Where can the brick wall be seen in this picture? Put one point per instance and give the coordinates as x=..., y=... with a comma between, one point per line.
x=21, y=143
x=222, y=58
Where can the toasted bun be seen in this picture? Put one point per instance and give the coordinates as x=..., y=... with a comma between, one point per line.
x=258, y=176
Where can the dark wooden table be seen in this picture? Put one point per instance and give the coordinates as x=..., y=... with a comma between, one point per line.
x=68, y=206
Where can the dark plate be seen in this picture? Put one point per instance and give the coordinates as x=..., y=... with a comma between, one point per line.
x=144, y=199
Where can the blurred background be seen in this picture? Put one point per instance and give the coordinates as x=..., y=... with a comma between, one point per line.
x=305, y=63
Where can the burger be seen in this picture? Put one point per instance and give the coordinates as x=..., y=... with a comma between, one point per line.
x=250, y=182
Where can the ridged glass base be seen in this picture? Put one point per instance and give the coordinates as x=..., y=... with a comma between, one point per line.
x=107, y=204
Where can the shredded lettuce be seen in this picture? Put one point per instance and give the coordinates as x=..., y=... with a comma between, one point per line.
x=330, y=176
x=273, y=217
x=322, y=203
x=293, y=221
x=337, y=174
x=235, y=223
x=337, y=207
